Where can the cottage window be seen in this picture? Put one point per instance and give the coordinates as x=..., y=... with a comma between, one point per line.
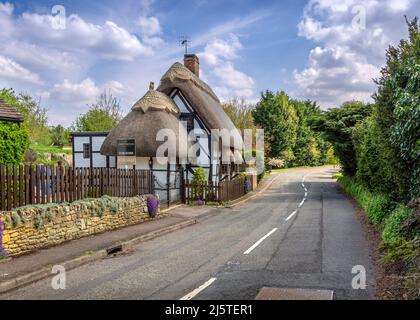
x=189, y=119
x=86, y=150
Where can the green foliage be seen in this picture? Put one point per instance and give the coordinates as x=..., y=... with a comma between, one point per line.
x=377, y=206
x=330, y=157
x=199, y=176
x=337, y=127
x=14, y=140
x=289, y=130
x=393, y=229
x=35, y=116
x=59, y=136
x=104, y=115
x=387, y=144
x=400, y=242
x=277, y=116
x=403, y=250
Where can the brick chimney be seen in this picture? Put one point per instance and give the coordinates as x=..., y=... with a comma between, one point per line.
x=192, y=62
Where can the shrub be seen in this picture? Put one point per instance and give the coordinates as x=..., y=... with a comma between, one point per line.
x=14, y=140
x=276, y=163
x=377, y=207
x=199, y=176
x=393, y=228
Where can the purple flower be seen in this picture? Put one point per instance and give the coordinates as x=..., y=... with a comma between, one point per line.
x=152, y=206
x=2, y=250
x=200, y=202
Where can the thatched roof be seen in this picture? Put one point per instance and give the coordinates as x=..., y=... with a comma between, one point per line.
x=8, y=113
x=198, y=93
x=151, y=113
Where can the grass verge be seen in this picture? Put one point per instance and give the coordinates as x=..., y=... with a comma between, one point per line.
x=398, y=226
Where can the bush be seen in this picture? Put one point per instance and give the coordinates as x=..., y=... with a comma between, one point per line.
x=393, y=228
x=14, y=140
x=377, y=207
x=276, y=163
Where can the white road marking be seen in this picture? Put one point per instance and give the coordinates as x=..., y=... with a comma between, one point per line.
x=291, y=216
x=260, y=241
x=192, y=294
x=302, y=203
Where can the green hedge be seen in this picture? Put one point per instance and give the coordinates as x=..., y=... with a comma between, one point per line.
x=385, y=215
x=14, y=140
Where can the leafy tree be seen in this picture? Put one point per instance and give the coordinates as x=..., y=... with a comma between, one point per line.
x=337, y=126
x=103, y=115
x=276, y=115
x=389, y=142
x=35, y=116
x=59, y=136
x=240, y=113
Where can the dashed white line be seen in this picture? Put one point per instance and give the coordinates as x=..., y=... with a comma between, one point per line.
x=256, y=244
x=303, y=201
x=291, y=216
x=192, y=294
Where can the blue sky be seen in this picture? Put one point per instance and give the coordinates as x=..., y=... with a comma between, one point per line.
x=311, y=49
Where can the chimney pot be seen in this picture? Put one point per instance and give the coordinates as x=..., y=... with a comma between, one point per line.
x=192, y=62
x=152, y=86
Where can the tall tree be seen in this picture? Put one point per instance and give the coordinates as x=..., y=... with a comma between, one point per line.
x=337, y=125
x=388, y=143
x=103, y=115
x=276, y=115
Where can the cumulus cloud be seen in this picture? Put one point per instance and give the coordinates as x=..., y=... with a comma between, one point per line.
x=219, y=55
x=78, y=94
x=9, y=69
x=149, y=25
x=347, y=57
x=108, y=40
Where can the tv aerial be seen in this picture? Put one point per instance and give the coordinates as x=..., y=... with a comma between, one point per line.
x=185, y=42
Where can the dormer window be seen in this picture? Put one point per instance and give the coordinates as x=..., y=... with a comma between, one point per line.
x=189, y=121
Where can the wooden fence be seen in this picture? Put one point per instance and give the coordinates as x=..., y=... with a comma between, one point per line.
x=224, y=191
x=208, y=192
x=29, y=184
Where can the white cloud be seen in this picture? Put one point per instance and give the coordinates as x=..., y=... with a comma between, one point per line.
x=6, y=23
x=149, y=25
x=9, y=69
x=346, y=59
x=41, y=58
x=219, y=55
x=78, y=94
x=108, y=40
x=218, y=49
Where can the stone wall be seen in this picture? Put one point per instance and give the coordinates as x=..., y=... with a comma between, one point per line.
x=33, y=227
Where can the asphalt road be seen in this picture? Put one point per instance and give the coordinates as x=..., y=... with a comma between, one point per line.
x=272, y=240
